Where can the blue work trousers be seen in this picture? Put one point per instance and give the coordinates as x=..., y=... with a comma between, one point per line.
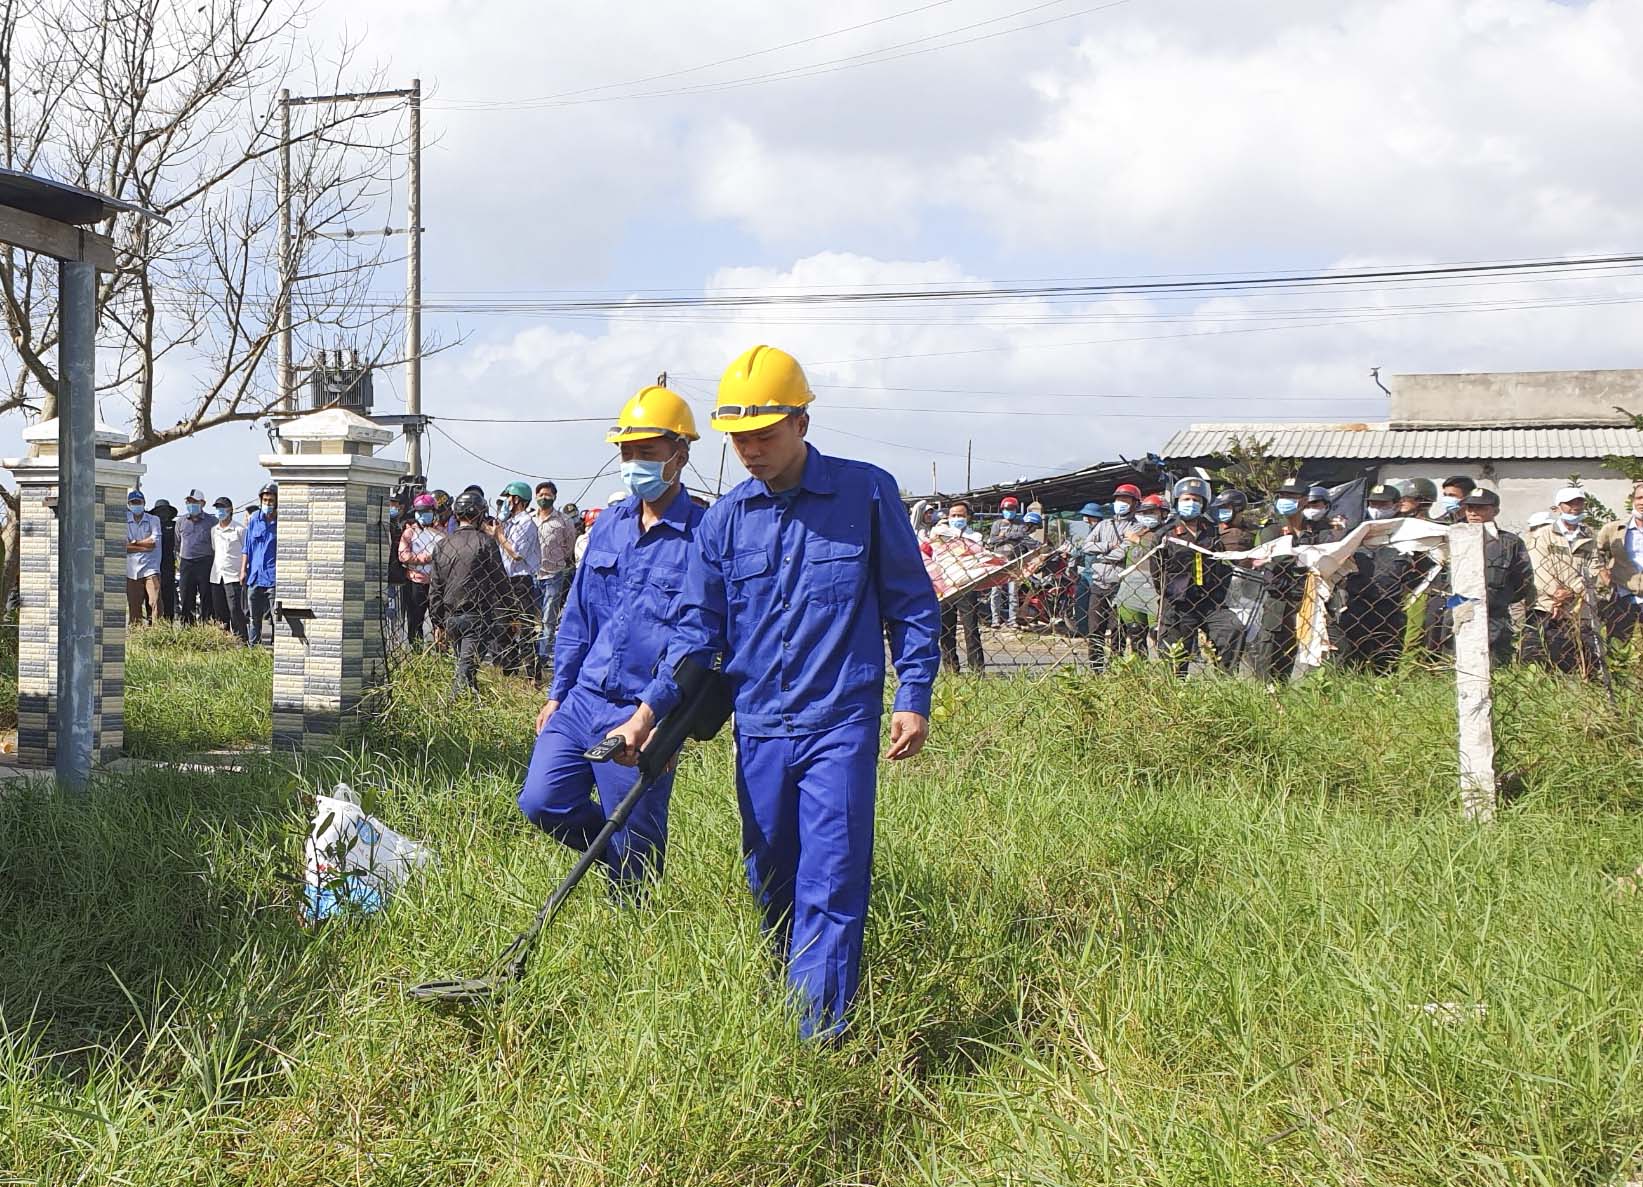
x=807, y=835
x=570, y=798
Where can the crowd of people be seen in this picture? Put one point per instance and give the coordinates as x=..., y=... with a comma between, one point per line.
x=203, y=564
x=1144, y=582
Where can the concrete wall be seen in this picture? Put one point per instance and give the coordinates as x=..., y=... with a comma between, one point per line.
x=1524, y=486
x=1516, y=398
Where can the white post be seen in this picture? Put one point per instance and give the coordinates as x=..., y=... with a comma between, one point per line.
x=287, y=386
x=413, y=286
x=1472, y=699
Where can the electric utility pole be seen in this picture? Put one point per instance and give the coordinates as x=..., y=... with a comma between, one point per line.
x=412, y=95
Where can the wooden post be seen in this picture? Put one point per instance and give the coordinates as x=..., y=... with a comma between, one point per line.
x=1472, y=698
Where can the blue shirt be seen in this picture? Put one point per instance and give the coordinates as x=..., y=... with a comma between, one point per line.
x=1634, y=548
x=624, y=601
x=261, y=549
x=799, y=592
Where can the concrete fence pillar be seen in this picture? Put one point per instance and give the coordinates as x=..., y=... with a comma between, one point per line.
x=328, y=578
x=37, y=477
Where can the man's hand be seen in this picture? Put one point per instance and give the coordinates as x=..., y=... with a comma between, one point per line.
x=548, y=710
x=634, y=732
x=908, y=732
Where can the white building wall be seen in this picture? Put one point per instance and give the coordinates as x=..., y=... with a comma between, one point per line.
x=1524, y=486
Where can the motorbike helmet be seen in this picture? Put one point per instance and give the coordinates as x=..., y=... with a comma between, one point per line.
x=1318, y=494
x=1032, y=517
x=424, y=502
x=1421, y=490
x=1128, y=490
x=470, y=506
x=1157, y=502
x=1236, y=499
x=1192, y=486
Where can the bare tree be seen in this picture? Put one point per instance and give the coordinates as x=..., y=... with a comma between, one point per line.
x=173, y=108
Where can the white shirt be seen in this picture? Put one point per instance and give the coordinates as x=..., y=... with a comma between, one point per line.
x=227, y=552
x=142, y=564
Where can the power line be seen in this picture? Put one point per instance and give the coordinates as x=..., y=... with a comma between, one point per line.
x=476, y=104
x=815, y=69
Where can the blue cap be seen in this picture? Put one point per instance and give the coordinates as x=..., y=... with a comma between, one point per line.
x=1092, y=510
x=1032, y=517
x=135, y=496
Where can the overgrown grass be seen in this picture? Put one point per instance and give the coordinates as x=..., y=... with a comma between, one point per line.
x=192, y=689
x=1126, y=931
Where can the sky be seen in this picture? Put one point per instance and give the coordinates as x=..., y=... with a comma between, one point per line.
x=578, y=149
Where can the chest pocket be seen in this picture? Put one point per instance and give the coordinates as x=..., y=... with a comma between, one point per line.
x=601, y=578
x=743, y=573
x=663, y=591
x=837, y=569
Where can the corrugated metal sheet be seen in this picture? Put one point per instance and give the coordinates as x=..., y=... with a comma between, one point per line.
x=1378, y=441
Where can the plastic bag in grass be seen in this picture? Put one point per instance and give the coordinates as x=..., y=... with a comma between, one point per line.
x=355, y=862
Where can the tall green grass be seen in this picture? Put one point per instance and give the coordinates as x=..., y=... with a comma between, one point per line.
x=1125, y=930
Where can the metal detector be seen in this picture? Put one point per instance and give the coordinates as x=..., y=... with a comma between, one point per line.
x=704, y=707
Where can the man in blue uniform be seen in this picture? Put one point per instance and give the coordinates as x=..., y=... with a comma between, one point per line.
x=624, y=601
x=800, y=575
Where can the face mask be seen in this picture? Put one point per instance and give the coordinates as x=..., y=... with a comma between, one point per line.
x=267, y=507
x=224, y=513
x=1009, y=516
x=135, y=508
x=958, y=524
x=1189, y=508
x=1314, y=514
x=425, y=517
x=1571, y=517
x=194, y=508
x=393, y=513
x=1223, y=515
x=1122, y=506
x=646, y=481
x=1285, y=506
x=545, y=503
x=1147, y=521
x=1449, y=503
x=1381, y=513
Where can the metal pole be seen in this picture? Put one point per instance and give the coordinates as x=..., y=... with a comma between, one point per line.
x=968, y=485
x=413, y=288
x=79, y=520
x=287, y=387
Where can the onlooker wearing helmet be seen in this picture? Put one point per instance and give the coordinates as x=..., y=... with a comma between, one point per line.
x=555, y=567
x=1136, y=606
x=142, y=560
x=1125, y=499
x=466, y=585
x=417, y=541
x=801, y=576
x=1245, y=588
x=1300, y=512
x=623, y=608
x=964, y=608
x=1193, y=587
x=395, y=515
x=1373, y=617
x=1101, y=560
x=261, y=555
x=1558, y=632
x=1009, y=539
x=1620, y=553
x=521, y=547
x=444, y=514
x=1415, y=497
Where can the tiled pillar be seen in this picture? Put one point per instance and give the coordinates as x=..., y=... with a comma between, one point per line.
x=328, y=584
x=37, y=476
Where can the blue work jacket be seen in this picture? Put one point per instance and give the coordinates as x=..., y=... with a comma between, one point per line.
x=799, y=593
x=624, y=601
x=261, y=549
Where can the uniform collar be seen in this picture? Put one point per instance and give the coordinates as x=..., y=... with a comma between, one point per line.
x=675, y=515
x=817, y=477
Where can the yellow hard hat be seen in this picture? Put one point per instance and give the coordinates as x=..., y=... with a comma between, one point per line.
x=761, y=387
x=654, y=412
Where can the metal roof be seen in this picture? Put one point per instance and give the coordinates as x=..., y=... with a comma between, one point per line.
x=1058, y=492
x=60, y=201
x=1382, y=442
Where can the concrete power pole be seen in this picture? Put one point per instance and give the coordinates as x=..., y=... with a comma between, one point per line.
x=287, y=392
x=413, y=288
